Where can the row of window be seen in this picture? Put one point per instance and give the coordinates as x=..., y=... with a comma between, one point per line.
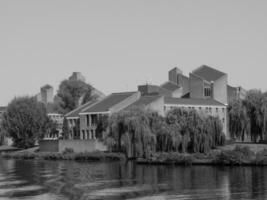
x=207, y=109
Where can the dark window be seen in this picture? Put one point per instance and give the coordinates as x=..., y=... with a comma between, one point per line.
x=207, y=92
x=87, y=120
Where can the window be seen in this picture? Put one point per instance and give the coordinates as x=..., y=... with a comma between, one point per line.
x=200, y=108
x=217, y=110
x=210, y=110
x=87, y=120
x=223, y=110
x=207, y=92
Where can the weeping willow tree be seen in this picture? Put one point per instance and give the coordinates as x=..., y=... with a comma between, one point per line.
x=130, y=131
x=197, y=133
x=239, y=121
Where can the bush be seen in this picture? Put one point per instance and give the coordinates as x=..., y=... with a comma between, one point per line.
x=238, y=156
x=68, y=150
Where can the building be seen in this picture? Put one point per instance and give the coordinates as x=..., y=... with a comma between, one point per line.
x=205, y=90
x=58, y=120
x=235, y=93
x=46, y=94
x=77, y=76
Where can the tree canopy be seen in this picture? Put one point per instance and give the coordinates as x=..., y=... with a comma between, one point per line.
x=140, y=133
x=249, y=116
x=25, y=121
x=71, y=94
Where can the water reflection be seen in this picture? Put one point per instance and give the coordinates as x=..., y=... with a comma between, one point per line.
x=71, y=180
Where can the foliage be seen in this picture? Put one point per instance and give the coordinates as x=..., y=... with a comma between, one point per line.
x=102, y=125
x=71, y=94
x=25, y=121
x=65, y=129
x=140, y=133
x=132, y=134
x=239, y=122
x=249, y=117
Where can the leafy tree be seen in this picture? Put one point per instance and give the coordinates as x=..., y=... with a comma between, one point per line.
x=65, y=129
x=71, y=94
x=131, y=132
x=254, y=105
x=239, y=122
x=25, y=121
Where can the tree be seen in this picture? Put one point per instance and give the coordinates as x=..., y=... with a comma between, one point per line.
x=25, y=121
x=65, y=129
x=254, y=105
x=131, y=133
x=71, y=94
x=239, y=122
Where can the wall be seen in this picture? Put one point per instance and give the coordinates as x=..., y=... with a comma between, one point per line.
x=77, y=145
x=48, y=146
x=157, y=106
x=178, y=93
x=220, y=90
x=196, y=86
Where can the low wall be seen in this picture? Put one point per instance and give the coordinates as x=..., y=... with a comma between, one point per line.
x=48, y=146
x=76, y=145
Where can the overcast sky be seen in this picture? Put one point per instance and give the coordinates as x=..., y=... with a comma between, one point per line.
x=120, y=44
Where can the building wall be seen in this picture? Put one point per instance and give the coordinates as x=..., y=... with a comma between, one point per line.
x=220, y=90
x=47, y=95
x=196, y=86
x=173, y=75
x=178, y=93
x=78, y=146
x=184, y=83
x=157, y=106
x=48, y=146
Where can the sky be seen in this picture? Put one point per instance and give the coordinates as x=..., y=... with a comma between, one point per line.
x=120, y=44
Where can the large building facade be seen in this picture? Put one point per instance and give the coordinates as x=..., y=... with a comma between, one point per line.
x=205, y=90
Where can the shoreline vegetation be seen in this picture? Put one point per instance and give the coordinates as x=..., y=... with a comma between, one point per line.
x=86, y=156
x=238, y=156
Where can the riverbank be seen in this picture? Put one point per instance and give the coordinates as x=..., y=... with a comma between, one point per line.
x=87, y=156
x=234, y=155
x=239, y=156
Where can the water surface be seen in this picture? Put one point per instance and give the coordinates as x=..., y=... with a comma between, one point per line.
x=45, y=180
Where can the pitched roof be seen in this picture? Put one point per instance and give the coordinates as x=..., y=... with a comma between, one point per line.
x=2, y=109
x=144, y=101
x=75, y=113
x=208, y=73
x=191, y=101
x=170, y=86
x=105, y=104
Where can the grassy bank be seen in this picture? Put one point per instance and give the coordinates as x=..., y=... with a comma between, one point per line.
x=87, y=156
x=234, y=157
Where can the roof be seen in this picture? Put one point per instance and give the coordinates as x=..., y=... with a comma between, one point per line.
x=75, y=113
x=2, y=109
x=144, y=101
x=191, y=101
x=170, y=86
x=105, y=104
x=208, y=73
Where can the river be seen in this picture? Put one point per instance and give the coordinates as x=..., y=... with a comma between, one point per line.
x=45, y=180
